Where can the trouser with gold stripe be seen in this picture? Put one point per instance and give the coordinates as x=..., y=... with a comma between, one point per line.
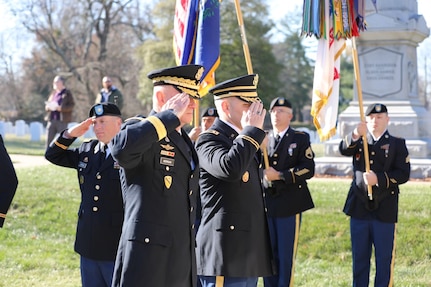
x=221, y=281
x=364, y=234
x=284, y=233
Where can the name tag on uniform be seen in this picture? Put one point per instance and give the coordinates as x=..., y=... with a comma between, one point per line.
x=167, y=161
x=82, y=164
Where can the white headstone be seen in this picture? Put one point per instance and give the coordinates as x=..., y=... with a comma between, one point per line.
x=20, y=128
x=36, y=130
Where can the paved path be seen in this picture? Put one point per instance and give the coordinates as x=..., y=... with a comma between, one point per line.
x=20, y=160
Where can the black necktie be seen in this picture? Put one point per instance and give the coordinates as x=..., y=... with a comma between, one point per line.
x=277, y=140
x=102, y=154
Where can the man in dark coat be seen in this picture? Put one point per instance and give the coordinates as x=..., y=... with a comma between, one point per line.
x=8, y=182
x=233, y=241
x=100, y=214
x=159, y=177
x=109, y=93
x=373, y=216
x=291, y=163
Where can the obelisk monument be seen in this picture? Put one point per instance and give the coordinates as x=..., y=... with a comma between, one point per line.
x=387, y=54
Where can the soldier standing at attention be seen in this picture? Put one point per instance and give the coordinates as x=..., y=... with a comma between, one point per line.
x=159, y=176
x=291, y=163
x=233, y=247
x=373, y=220
x=100, y=214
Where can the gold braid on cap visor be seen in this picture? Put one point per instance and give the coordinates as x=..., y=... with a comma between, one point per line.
x=246, y=96
x=186, y=85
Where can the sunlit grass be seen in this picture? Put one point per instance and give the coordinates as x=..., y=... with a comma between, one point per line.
x=37, y=240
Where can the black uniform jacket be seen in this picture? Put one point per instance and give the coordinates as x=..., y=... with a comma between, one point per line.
x=157, y=246
x=293, y=157
x=389, y=159
x=8, y=182
x=100, y=214
x=233, y=238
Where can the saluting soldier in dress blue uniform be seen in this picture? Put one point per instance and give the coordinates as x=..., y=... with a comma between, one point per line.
x=373, y=222
x=159, y=178
x=100, y=214
x=291, y=163
x=233, y=247
x=8, y=182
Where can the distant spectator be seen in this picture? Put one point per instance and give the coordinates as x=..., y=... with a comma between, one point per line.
x=110, y=93
x=59, y=109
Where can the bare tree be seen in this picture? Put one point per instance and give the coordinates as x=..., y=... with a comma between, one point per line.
x=84, y=40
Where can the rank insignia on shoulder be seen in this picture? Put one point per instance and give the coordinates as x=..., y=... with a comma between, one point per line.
x=135, y=119
x=167, y=146
x=214, y=132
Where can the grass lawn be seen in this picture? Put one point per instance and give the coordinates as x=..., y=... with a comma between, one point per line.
x=37, y=239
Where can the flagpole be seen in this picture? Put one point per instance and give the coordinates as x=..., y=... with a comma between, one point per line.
x=196, y=114
x=361, y=111
x=243, y=38
x=248, y=61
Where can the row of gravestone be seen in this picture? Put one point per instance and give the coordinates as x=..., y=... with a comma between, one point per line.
x=36, y=130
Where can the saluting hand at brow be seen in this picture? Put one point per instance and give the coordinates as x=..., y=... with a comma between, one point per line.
x=178, y=104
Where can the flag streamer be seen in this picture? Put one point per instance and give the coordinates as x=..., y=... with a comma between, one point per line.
x=339, y=20
x=347, y=17
x=331, y=22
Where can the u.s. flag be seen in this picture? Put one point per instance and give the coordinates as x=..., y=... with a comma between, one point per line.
x=197, y=37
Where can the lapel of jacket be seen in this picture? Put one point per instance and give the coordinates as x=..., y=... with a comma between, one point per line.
x=181, y=144
x=284, y=142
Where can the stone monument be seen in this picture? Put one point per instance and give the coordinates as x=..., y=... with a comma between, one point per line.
x=388, y=70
